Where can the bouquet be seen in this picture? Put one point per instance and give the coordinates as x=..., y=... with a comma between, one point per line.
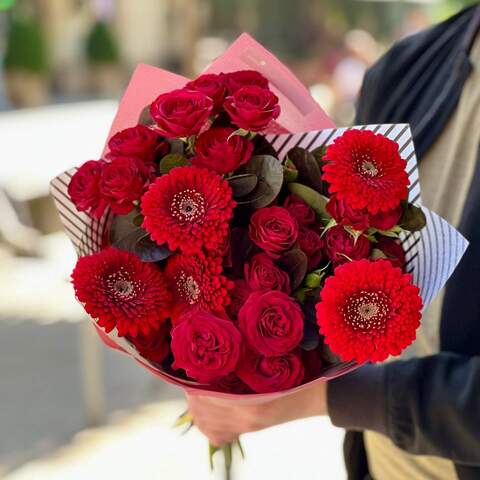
x=227, y=253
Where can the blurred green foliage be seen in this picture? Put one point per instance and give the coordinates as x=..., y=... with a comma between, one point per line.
x=25, y=46
x=101, y=46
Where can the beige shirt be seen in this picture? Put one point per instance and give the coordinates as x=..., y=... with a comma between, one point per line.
x=446, y=172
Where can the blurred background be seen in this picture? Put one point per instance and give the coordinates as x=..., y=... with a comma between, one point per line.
x=69, y=408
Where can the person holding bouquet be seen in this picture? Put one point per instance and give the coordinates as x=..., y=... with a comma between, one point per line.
x=418, y=417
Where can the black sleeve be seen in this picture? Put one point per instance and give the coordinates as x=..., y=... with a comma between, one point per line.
x=426, y=406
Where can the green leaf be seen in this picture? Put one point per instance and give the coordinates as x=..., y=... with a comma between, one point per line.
x=125, y=235
x=319, y=153
x=145, y=117
x=269, y=172
x=242, y=184
x=294, y=262
x=290, y=174
x=308, y=170
x=413, y=219
x=317, y=201
x=377, y=254
x=170, y=161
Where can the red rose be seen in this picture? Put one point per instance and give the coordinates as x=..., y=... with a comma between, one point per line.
x=218, y=150
x=231, y=384
x=124, y=181
x=181, y=113
x=271, y=322
x=273, y=229
x=252, y=108
x=298, y=209
x=341, y=246
x=241, y=78
x=270, y=374
x=205, y=346
x=238, y=296
x=84, y=188
x=386, y=220
x=392, y=248
x=139, y=141
x=262, y=274
x=311, y=244
x=346, y=215
x=212, y=86
x=154, y=345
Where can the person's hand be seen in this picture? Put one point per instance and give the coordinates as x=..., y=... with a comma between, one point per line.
x=222, y=421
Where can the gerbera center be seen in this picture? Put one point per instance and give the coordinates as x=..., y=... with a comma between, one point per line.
x=369, y=169
x=122, y=287
x=367, y=311
x=188, y=287
x=188, y=206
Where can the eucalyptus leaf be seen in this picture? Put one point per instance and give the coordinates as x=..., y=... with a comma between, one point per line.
x=377, y=254
x=176, y=145
x=170, y=161
x=269, y=171
x=242, y=184
x=261, y=146
x=145, y=117
x=319, y=153
x=317, y=201
x=294, y=262
x=309, y=172
x=125, y=235
x=413, y=219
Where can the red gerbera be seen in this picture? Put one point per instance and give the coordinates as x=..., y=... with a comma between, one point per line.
x=119, y=290
x=189, y=208
x=197, y=280
x=368, y=311
x=366, y=170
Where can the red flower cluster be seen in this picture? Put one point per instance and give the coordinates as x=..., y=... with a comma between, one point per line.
x=223, y=270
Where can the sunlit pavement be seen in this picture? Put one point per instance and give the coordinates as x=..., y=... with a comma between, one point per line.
x=143, y=445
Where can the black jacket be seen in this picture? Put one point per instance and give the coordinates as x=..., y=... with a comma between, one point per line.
x=431, y=405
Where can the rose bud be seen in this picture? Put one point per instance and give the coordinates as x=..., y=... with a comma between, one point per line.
x=298, y=209
x=346, y=215
x=311, y=244
x=270, y=374
x=124, y=181
x=84, y=188
x=219, y=150
x=205, y=346
x=181, y=113
x=212, y=86
x=252, y=108
x=386, y=220
x=271, y=322
x=274, y=230
x=341, y=246
x=242, y=78
x=262, y=274
x=153, y=346
x=393, y=250
x=139, y=141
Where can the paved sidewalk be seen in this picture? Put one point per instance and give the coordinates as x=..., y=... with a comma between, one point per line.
x=144, y=446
